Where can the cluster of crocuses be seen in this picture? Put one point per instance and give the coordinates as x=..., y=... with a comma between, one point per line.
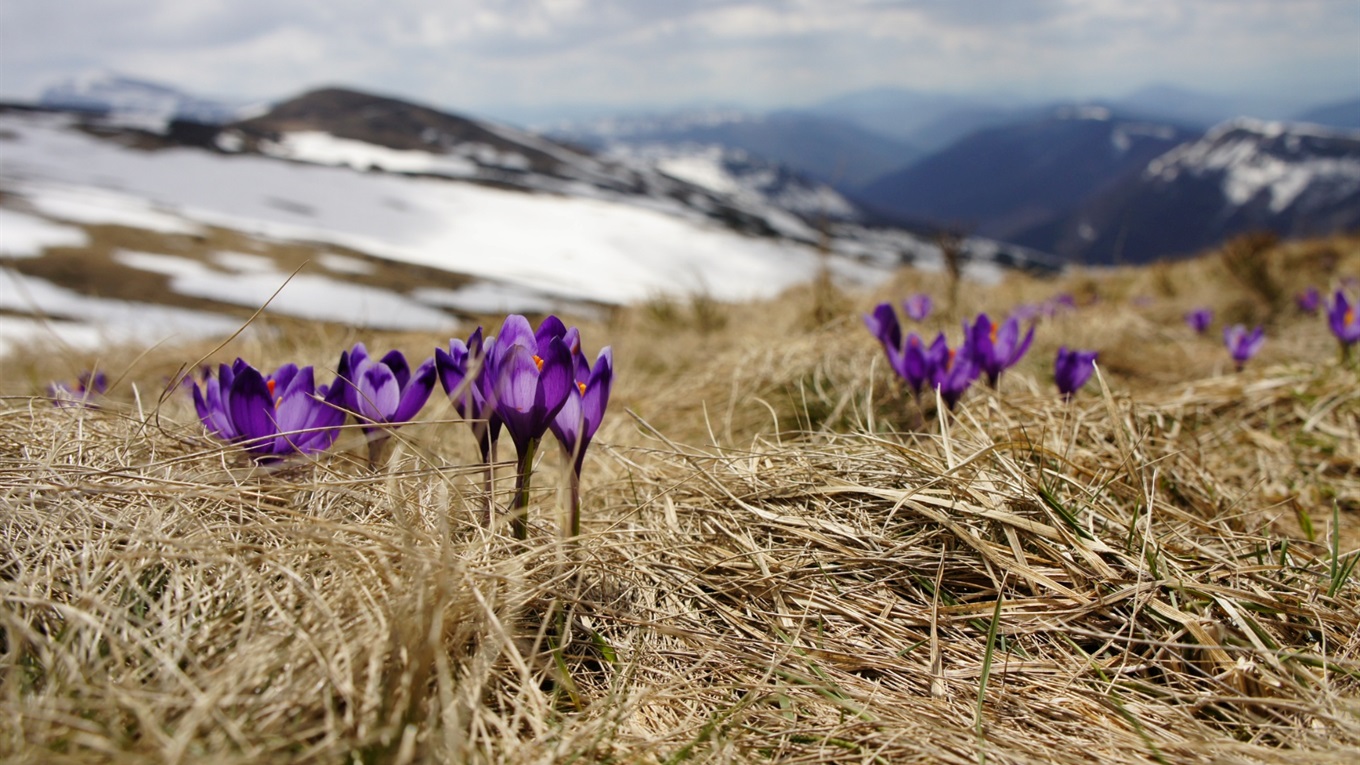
x=1243, y=344
x=987, y=349
x=524, y=381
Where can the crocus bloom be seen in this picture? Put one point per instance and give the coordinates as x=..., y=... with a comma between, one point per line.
x=1243, y=344
x=383, y=393
x=918, y=306
x=580, y=416
x=88, y=386
x=1072, y=369
x=917, y=362
x=1308, y=300
x=533, y=374
x=462, y=371
x=1345, y=324
x=1199, y=319
x=271, y=416
x=954, y=373
x=995, y=349
x=883, y=324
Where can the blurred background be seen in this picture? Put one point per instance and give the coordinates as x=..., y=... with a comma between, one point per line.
x=426, y=162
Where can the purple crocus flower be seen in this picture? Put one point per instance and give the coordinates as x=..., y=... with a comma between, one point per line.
x=883, y=324
x=533, y=374
x=918, y=306
x=88, y=386
x=1072, y=369
x=1343, y=321
x=1199, y=319
x=917, y=362
x=383, y=393
x=274, y=415
x=580, y=416
x=993, y=348
x=1243, y=344
x=1308, y=300
x=462, y=371
x=954, y=373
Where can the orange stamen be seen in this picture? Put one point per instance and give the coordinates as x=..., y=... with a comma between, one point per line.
x=538, y=362
x=582, y=386
x=270, y=385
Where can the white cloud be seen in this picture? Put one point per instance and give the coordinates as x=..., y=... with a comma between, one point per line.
x=474, y=54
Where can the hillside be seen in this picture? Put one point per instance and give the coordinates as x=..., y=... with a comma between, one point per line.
x=781, y=559
x=1294, y=180
x=1002, y=180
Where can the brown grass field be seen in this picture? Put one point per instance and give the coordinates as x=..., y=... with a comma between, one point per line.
x=780, y=562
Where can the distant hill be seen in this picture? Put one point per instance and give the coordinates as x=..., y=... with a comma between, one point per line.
x=1007, y=179
x=132, y=99
x=925, y=119
x=1244, y=175
x=1342, y=114
x=834, y=151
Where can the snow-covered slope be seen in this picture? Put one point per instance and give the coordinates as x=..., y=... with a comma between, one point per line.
x=1280, y=164
x=474, y=217
x=1244, y=175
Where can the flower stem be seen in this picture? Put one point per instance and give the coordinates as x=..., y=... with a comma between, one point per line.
x=378, y=441
x=574, y=513
x=519, y=508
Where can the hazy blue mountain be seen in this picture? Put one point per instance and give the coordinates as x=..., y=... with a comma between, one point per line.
x=1007, y=179
x=1340, y=114
x=928, y=120
x=830, y=150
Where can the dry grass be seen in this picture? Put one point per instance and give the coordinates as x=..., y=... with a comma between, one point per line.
x=775, y=567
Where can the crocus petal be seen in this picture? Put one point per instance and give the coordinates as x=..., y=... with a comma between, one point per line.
x=569, y=423
x=596, y=397
x=416, y=392
x=251, y=408
x=550, y=328
x=515, y=330
x=396, y=361
x=556, y=380
x=379, y=393
x=882, y=322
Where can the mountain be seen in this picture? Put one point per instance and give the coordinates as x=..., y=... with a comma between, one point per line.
x=133, y=101
x=831, y=150
x=336, y=126
x=1244, y=175
x=1007, y=179
x=1341, y=114
x=1182, y=105
x=927, y=120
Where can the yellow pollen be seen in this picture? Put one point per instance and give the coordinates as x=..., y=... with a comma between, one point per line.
x=538, y=362
x=582, y=386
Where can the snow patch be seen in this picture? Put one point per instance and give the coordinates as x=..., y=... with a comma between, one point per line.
x=101, y=321
x=26, y=236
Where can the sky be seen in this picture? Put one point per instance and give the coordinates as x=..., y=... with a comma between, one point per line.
x=516, y=58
